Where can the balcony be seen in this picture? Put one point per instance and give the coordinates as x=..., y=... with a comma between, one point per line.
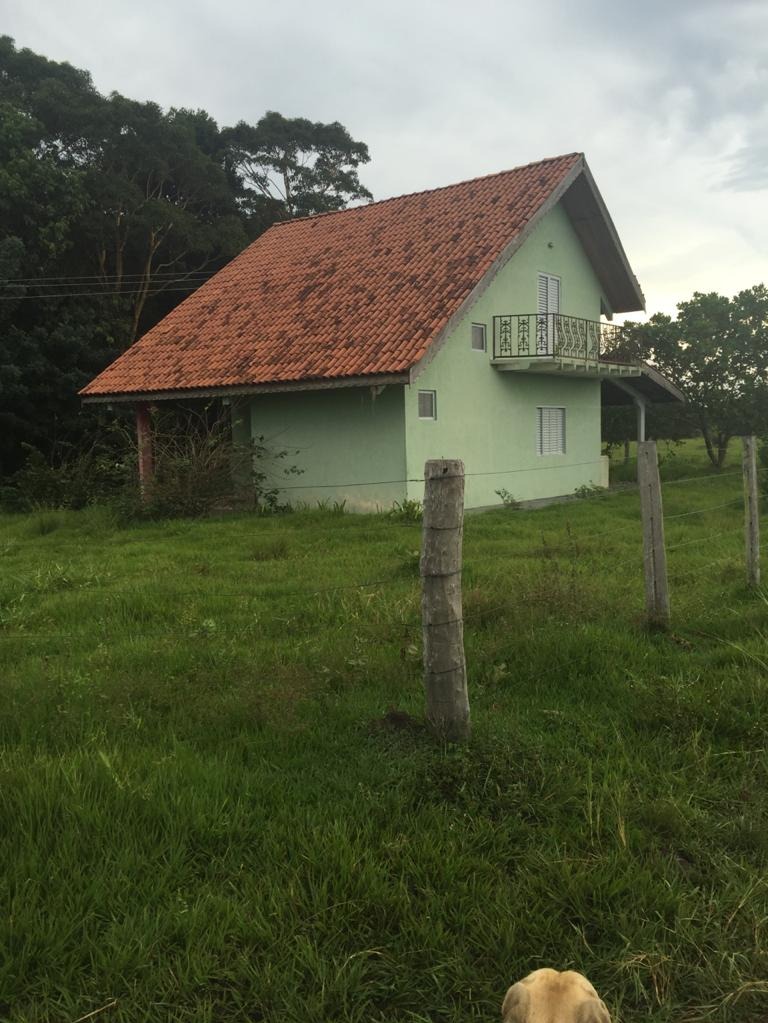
x=553, y=342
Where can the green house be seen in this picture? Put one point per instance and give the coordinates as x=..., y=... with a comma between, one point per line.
x=468, y=322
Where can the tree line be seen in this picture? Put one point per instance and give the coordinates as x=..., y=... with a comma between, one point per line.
x=111, y=211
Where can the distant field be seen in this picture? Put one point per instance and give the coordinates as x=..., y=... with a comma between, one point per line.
x=206, y=814
x=677, y=459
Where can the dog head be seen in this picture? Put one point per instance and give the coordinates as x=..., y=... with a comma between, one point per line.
x=546, y=996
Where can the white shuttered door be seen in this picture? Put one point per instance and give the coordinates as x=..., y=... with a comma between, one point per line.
x=549, y=302
x=551, y=431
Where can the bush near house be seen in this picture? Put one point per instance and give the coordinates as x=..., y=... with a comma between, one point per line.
x=197, y=470
x=210, y=809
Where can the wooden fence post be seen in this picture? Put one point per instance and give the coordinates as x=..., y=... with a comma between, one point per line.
x=751, y=510
x=654, y=552
x=145, y=449
x=445, y=668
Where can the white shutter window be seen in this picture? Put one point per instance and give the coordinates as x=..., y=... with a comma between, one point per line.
x=427, y=404
x=548, y=294
x=551, y=430
x=478, y=337
x=553, y=297
x=543, y=307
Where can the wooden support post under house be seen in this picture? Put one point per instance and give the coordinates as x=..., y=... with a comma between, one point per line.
x=654, y=552
x=445, y=669
x=145, y=451
x=751, y=510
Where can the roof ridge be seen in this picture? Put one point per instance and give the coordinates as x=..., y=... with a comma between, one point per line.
x=423, y=191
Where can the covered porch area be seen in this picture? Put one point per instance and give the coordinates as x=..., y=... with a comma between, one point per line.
x=646, y=386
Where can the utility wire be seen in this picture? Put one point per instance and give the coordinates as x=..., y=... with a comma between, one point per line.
x=95, y=294
x=67, y=281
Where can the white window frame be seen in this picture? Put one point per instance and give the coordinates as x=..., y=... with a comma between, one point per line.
x=473, y=346
x=433, y=396
x=540, y=410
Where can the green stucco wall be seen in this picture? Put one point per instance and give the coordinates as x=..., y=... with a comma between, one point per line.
x=487, y=416
x=346, y=437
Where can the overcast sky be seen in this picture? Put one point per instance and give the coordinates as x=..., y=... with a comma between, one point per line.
x=668, y=99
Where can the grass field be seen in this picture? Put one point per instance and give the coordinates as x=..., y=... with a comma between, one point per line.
x=208, y=814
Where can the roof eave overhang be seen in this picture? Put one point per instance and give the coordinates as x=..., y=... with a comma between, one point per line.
x=650, y=386
x=238, y=390
x=600, y=240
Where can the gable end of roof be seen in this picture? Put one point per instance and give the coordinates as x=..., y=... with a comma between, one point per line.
x=600, y=240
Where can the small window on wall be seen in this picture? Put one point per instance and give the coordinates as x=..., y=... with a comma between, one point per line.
x=427, y=404
x=551, y=431
x=478, y=337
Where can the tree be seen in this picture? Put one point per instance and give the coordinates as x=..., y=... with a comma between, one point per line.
x=716, y=351
x=47, y=348
x=292, y=167
x=111, y=212
x=161, y=209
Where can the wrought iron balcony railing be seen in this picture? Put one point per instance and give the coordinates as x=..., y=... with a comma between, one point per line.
x=551, y=335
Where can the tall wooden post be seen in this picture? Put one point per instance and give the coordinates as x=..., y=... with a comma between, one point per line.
x=654, y=552
x=144, y=443
x=751, y=510
x=445, y=668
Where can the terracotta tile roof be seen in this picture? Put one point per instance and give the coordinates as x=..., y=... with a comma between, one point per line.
x=360, y=292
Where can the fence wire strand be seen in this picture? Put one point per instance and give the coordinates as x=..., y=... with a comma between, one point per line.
x=272, y=591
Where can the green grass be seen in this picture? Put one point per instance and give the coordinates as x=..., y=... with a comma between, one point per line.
x=677, y=459
x=206, y=814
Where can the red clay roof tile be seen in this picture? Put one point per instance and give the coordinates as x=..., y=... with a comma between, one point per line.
x=359, y=292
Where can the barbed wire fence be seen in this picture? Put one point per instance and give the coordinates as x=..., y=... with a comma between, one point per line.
x=383, y=527
x=651, y=524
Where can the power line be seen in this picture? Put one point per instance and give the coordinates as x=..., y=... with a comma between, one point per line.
x=95, y=294
x=67, y=280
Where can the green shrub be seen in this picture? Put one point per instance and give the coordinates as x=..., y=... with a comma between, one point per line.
x=507, y=499
x=407, y=510
x=197, y=471
x=588, y=490
x=74, y=480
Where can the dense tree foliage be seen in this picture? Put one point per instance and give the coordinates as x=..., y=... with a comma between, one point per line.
x=716, y=351
x=296, y=166
x=111, y=211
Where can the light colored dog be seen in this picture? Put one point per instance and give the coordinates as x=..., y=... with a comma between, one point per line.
x=547, y=996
